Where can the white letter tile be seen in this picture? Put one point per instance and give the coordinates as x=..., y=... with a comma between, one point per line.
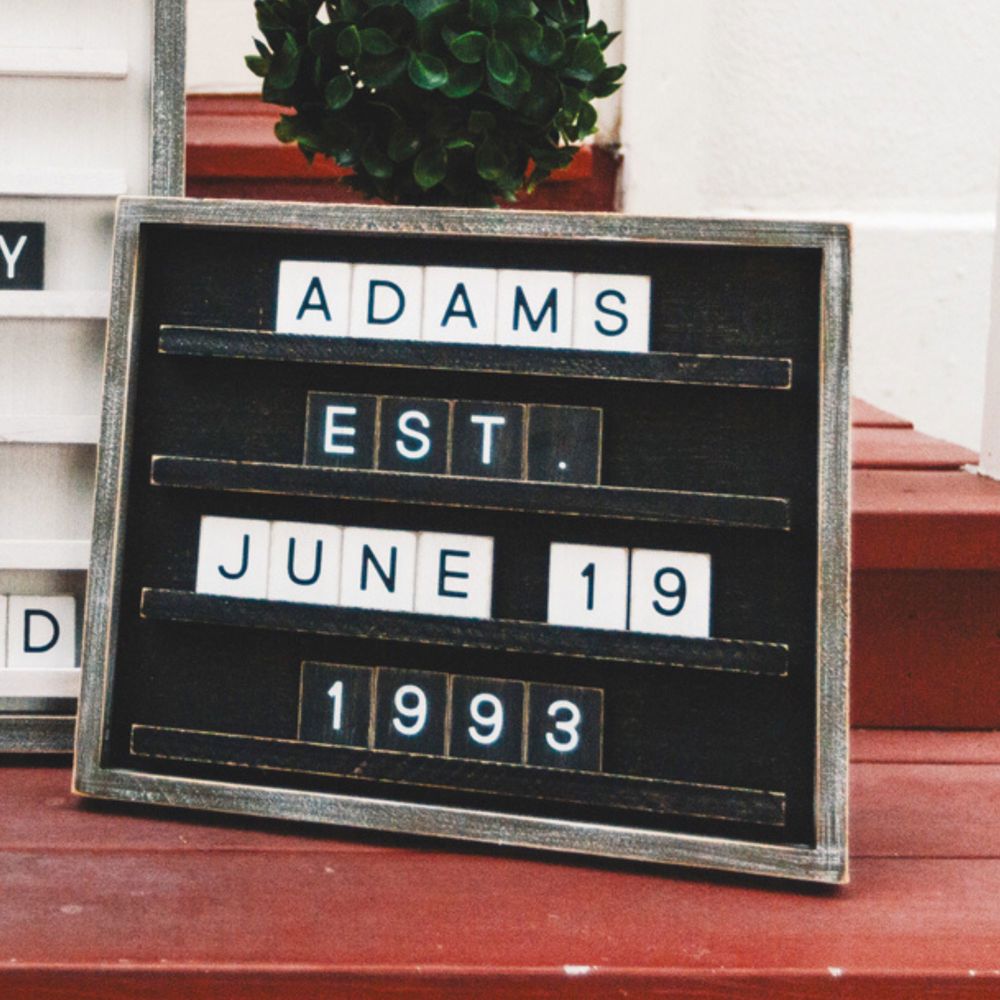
x=305, y=563
x=233, y=557
x=535, y=309
x=611, y=313
x=455, y=575
x=588, y=586
x=460, y=305
x=387, y=302
x=313, y=298
x=671, y=593
x=378, y=569
x=41, y=633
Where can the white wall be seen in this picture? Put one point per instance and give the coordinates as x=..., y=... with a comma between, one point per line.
x=882, y=113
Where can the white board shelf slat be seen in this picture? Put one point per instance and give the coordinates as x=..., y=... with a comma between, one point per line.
x=30, y=61
x=43, y=554
x=54, y=304
x=63, y=183
x=49, y=428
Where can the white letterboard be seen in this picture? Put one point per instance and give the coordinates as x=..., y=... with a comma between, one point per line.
x=78, y=89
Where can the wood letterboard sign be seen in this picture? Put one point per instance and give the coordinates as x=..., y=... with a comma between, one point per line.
x=520, y=528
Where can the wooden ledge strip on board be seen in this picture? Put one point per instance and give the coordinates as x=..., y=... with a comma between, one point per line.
x=718, y=509
x=70, y=304
x=44, y=554
x=63, y=183
x=684, y=369
x=741, y=805
x=29, y=61
x=727, y=655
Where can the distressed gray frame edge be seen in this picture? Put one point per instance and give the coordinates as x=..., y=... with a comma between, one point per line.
x=167, y=108
x=44, y=732
x=827, y=862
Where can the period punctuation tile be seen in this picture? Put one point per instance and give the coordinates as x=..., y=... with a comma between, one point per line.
x=488, y=440
x=41, y=633
x=314, y=298
x=387, y=302
x=454, y=575
x=565, y=727
x=336, y=704
x=411, y=709
x=535, y=309
x=413, y=435
x=233, y=557
x=564, y=444
x=487, y=719
x=611, y=312
x=378, y=569
x=671, y=593
x=340, y=430
x=460, y=305
x=304, y=564
x=588, y=586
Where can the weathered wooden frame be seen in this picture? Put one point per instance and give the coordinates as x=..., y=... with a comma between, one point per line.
x=23, y=731
x=826, y=862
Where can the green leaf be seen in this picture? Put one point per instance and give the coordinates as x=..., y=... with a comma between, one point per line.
x=377, y=42
x=339, y=91
x=528, y=33
x=463, y=81
x=484, y=12
x=383, y=71
x=607, y=83
x=349, y=43
x=586, y=61
x=404, y=143
x=501, y=62
x=350, y=10
x=482, y=121
x=285, y=129
x=491, y=162
x=424, y=9
x=375, y=161
x=258, y=65
x=427, y=71
x=553, y=9
x=587, y=121
x=285, y=65
x=430, y=167
x=550, y=49
x=262, y=49
x=323, y=40
x=470, y=47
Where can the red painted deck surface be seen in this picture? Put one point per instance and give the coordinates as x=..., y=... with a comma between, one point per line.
x=102, y=901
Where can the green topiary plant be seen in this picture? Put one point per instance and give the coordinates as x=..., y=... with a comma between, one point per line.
x=439, y=102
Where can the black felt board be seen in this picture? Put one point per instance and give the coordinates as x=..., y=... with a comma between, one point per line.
x=707, y=736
